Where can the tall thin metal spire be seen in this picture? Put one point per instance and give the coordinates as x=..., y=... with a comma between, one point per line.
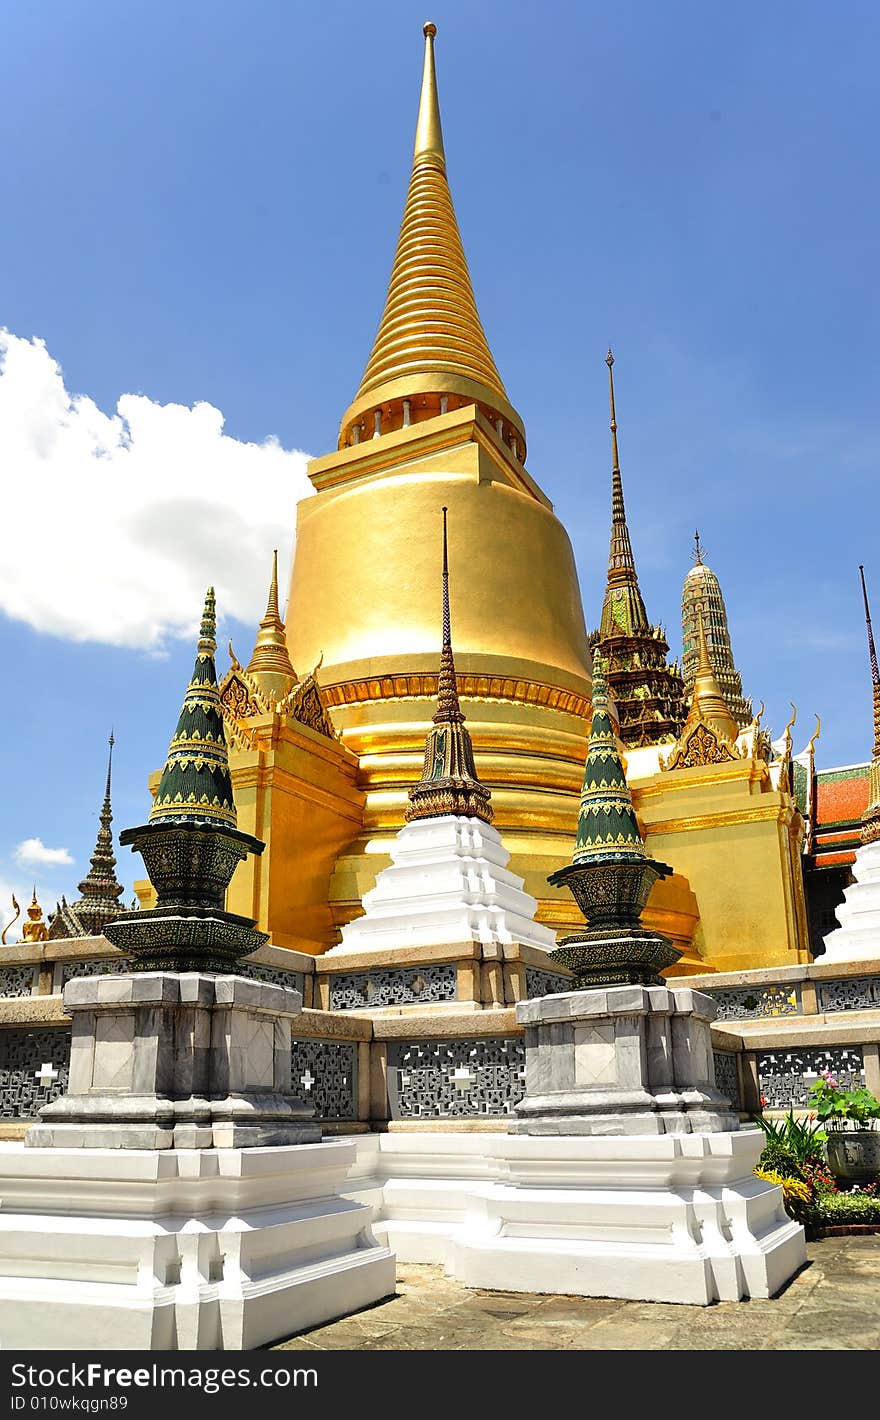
x=100, y=888
x=615, y=457
x=106, y=808
x=449, y=783
x=447, y=627
x=429, y=130
x=870, y=832
x=875, y=674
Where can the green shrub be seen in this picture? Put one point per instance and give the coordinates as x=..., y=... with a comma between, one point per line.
x=779, y=1158
x=856, y=1207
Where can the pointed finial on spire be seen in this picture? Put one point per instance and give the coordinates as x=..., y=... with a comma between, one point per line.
x=448, y=707
x=111, y=742
x=270, y=665
x=272, y=604
x=208, y=633
x=447, y=625
x=697, y=553
x=429, y=133
x=615, y=458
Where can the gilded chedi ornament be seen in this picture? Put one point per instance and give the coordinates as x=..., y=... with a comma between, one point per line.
x=269, y=684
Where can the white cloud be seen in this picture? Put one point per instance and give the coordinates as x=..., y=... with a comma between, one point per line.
x=121, y=521
x=33, y=850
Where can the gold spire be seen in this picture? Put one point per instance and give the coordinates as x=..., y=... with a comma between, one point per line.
x=430, y=353
x=708, y=703
x=429, y=130
x=270, y=664
x=871, y=816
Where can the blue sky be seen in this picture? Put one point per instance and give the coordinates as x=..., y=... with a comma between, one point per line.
x=201, y=203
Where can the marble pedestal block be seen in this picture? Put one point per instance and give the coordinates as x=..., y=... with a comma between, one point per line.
x=858, y=936
x=657, y=1218
x=165, y=1060
x=620, y=1060
x=174, y=1250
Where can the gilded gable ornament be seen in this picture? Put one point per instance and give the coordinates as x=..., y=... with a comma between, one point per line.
x=697, y=747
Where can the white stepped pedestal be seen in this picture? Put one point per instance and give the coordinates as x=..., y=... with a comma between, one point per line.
x=658, y=1218
x=448, y=883
x=858, y=936
x=179, y=1197
x=202, y=1249
x=624, y=1174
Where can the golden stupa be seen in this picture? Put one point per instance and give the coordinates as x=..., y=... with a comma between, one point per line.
x=322, y=766
x=431, y=425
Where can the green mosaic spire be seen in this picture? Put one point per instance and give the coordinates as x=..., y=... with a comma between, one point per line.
x=607, y=827
x=195, y=786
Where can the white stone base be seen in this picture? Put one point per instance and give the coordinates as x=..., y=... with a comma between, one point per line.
x=674, y=1218
x=181, y=1249
x=448, y=883
x=858, y=936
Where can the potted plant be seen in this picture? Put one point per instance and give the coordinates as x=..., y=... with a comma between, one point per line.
x=850, y=1120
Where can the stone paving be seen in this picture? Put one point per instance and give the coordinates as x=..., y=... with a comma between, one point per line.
x=832, y=1304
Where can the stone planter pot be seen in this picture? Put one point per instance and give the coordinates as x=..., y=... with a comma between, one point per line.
x=854, y=1155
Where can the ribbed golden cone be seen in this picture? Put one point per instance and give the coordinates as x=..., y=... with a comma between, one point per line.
x=270, y=665
x=430, y=339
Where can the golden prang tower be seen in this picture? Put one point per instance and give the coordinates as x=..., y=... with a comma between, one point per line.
x=431, y=425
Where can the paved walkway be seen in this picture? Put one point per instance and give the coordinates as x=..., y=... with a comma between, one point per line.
x=832, y=1304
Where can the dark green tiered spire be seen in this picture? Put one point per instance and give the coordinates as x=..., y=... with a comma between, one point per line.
x=607, y=825
x=195, y=786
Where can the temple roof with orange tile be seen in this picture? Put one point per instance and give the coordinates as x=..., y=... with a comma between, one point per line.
x=840, y=800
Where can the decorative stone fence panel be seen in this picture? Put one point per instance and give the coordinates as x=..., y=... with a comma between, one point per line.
x=393, y=986
x=544, y=983
x=34, y=1069
x=18, y=981
x=324, y=1073
x=727, y=1076
x=785, y=1076
x=853, y=993
x=755, y=1002
x=461, y=1078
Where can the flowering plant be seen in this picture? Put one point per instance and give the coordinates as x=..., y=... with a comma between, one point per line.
x=840, y=1109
